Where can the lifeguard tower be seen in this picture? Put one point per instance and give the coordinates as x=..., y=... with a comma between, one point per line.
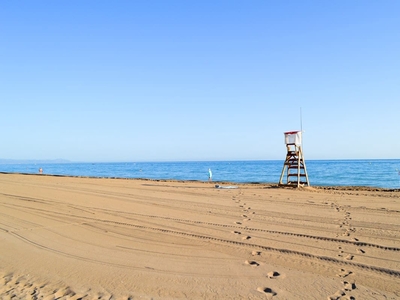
x=294, y=167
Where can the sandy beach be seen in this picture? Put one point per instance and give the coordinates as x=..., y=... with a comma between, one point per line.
x=92, y=238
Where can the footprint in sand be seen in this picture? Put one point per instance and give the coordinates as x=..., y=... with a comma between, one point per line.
x=349, y=286
x=105, y=296
x=339, y=295
x=344, y=273
x=273, y=274
x=252, y=263
x=268, y=291
x=349, y=257
x=64, y=292
x=340, y=251
x=336, y=296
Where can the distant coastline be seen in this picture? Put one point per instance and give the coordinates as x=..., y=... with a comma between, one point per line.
x=34, y=161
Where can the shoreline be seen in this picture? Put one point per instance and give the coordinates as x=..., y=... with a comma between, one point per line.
x=261, y=184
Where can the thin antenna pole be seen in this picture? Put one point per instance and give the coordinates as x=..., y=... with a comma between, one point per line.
x=301, y=122
x=301, y=128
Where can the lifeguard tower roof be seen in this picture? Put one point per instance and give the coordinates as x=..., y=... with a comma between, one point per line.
x=293, y=137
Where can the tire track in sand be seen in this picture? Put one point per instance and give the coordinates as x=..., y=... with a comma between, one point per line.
x=331, y=260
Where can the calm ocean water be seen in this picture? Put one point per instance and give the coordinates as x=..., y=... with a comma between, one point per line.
x=373, y=173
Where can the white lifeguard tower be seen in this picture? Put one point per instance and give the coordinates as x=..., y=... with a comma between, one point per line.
x=294, y=166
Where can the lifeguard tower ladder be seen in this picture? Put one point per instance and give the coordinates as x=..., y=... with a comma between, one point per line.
x=294, y=166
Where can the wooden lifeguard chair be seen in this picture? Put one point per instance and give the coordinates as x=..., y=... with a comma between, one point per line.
x=294, y=166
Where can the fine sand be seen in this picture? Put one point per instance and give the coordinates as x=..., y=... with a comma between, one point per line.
x=88, y=238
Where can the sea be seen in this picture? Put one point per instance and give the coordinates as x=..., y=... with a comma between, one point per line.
x=380, y=173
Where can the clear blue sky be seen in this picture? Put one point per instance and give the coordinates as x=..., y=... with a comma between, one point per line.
x=198, y=80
